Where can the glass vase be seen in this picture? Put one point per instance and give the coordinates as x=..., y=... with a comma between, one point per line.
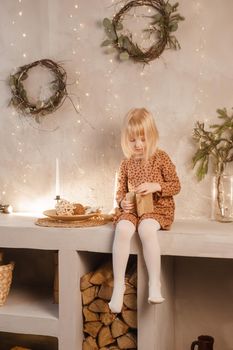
x=222, y=198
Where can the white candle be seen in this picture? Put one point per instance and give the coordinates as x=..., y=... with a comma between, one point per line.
x=57, y=178
x=115, y=190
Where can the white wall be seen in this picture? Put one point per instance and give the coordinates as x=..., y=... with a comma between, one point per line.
x=179, y=88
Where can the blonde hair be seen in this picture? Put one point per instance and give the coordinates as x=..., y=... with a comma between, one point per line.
x=139, y=122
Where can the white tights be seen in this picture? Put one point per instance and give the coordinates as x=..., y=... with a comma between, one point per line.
x=147, y=231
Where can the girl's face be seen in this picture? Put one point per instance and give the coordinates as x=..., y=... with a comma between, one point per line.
x=138, y=146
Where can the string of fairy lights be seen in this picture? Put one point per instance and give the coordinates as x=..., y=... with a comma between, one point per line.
x=201, y=95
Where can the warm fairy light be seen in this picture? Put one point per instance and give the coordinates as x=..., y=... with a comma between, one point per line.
x=24, y=55
x=37, y=206
x=76, y=6
x=87, y=94
x=75, y=29
x=24, y=35
x=70, y=15
x=81, y=25
x=20, y=13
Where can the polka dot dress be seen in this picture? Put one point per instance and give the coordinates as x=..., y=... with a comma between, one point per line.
x=159, y=168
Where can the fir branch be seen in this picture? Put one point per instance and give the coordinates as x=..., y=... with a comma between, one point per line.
x=215, y=144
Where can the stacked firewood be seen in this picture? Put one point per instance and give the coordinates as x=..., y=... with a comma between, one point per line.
x=102, y=329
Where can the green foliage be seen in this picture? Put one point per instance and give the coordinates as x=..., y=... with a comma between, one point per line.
x=214, y=144
x=164, y=23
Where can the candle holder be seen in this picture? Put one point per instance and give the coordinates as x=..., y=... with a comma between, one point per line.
x=6, y=208
x=57, y=198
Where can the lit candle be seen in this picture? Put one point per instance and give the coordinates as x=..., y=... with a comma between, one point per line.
x=57, y=178
x=115, y=190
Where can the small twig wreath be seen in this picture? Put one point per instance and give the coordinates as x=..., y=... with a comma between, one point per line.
x=164, y=23
x=42, y=107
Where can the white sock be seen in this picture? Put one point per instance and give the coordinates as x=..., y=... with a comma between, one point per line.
x=147, y=231
x=120, y=254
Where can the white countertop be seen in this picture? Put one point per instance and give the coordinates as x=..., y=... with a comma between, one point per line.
x=201, y=238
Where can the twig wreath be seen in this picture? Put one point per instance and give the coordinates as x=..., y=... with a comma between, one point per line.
x=164, y=23
x=20, y=98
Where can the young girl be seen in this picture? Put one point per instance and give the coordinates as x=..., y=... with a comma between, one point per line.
x=145, y=170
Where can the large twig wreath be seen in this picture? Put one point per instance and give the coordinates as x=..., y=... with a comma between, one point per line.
x=164, y=23
x=20, y=98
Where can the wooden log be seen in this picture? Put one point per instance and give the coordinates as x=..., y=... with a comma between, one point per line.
x=130, y=300
x=19, y=348
x=107, y=318
x=111, y=347
x=105, y=291
x=90, y=344
x=85, y=281
x=130, y=318
x=133, y=279
x=144, y=203
x=129, y=289
x=89, y=294
x=92, y=328
x=105, y=336
x=118, y=328
x=99, y=305
x=127, y=341
x=102, y=274
x=89, y=315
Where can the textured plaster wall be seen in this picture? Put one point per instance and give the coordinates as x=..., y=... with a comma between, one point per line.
x=179, y=88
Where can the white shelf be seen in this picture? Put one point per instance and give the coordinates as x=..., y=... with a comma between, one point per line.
x=35, y=314
x=201, y=238
x=29, y=311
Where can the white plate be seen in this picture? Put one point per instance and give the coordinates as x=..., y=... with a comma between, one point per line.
x=52, y=214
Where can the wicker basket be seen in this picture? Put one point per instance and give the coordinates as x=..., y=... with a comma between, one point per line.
x=5, y=281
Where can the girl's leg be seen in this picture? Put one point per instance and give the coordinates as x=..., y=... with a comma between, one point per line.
x=147, y=231
x=120, y=254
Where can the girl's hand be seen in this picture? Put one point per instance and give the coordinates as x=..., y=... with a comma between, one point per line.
x=148, y=187
x=127, y=205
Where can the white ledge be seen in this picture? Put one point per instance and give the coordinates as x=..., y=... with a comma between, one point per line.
x=200, y=238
